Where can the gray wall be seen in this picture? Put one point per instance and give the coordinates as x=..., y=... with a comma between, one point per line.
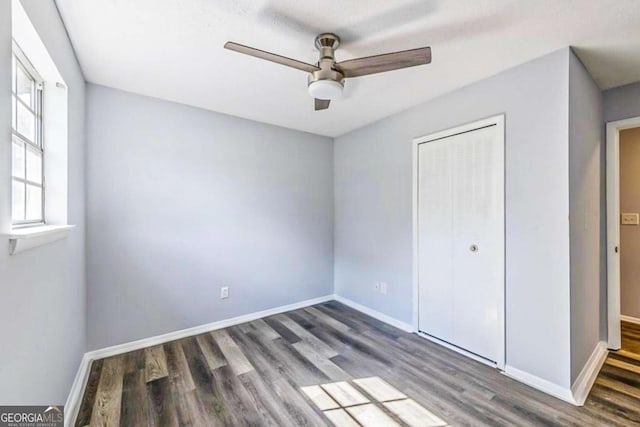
x=622, y=102
x=373, y=212
x=630, y=234
x=182, y=201
x=42, y=303
x=585, y=180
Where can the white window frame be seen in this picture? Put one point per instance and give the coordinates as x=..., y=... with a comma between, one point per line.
x=21, y=60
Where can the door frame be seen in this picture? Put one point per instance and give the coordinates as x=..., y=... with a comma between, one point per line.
x=614, y=339
x=499, y=121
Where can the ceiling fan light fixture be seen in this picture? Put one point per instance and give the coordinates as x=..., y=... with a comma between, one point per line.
x=326, y=89
x=326, y=77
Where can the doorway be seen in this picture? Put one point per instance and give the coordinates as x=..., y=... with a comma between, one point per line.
x=623, y=234
x=459, y=242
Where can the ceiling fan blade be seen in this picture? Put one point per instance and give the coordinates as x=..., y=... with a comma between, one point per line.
x=283, y=60
x=385, y=62
x=322, y=104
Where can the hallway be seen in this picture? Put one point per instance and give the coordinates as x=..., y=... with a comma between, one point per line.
x=617, y=389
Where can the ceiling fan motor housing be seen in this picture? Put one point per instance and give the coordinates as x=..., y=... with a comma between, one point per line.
x=327, y=82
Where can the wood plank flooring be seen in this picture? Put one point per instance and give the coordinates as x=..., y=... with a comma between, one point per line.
x=331, y=365
x=630, y=337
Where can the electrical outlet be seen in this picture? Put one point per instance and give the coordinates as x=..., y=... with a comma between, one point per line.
x=224, y=292
x=630, y=219
x=383, y=288
x=377, y=286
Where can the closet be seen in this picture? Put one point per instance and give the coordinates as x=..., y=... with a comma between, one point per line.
x=460, y=238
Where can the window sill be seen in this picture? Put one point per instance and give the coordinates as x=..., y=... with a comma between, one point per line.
x=23, y=239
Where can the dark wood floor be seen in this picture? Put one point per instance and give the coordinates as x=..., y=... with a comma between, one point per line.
x=631, y=337
x=330, y=364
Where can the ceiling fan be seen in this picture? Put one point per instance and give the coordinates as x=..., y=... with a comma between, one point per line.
x=326, y=78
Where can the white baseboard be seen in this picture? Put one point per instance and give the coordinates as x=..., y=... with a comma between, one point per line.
x=582, y=385
x=540, y=384
x=375, y=314
x=72, y=405
x=200, y=329
x=630, y=319
x=75, y=395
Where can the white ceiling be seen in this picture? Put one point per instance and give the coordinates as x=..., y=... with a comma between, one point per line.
x=172, y=49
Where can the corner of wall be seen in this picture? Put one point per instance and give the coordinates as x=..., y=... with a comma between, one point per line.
x=586, y=199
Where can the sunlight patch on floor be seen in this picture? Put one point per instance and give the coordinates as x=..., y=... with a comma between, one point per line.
x=345, y=406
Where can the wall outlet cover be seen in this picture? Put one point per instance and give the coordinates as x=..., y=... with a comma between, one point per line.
x=383, y=288
x=630, y=219
x=224, y=292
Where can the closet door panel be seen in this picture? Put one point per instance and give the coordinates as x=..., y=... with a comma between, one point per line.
x=435, y=227
x=477, y=241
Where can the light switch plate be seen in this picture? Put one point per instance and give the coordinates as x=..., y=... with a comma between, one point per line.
x=630, y=219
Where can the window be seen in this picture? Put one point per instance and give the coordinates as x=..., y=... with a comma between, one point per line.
x=27, y=159
x=39, y=172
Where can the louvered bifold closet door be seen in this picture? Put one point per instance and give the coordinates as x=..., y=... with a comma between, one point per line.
x=461, y=240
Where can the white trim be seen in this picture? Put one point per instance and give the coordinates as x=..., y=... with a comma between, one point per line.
x=540, y=384
x=415, y=318
x=72, y=405
x=489, y=121
x=375, y=314
x=23, y=239
x=457, y=349
x=196, y=330
x=630, y=319
x=75, y=394
x=582, y=385
x=37, y=231
x=613, y=227
x=499, y=121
